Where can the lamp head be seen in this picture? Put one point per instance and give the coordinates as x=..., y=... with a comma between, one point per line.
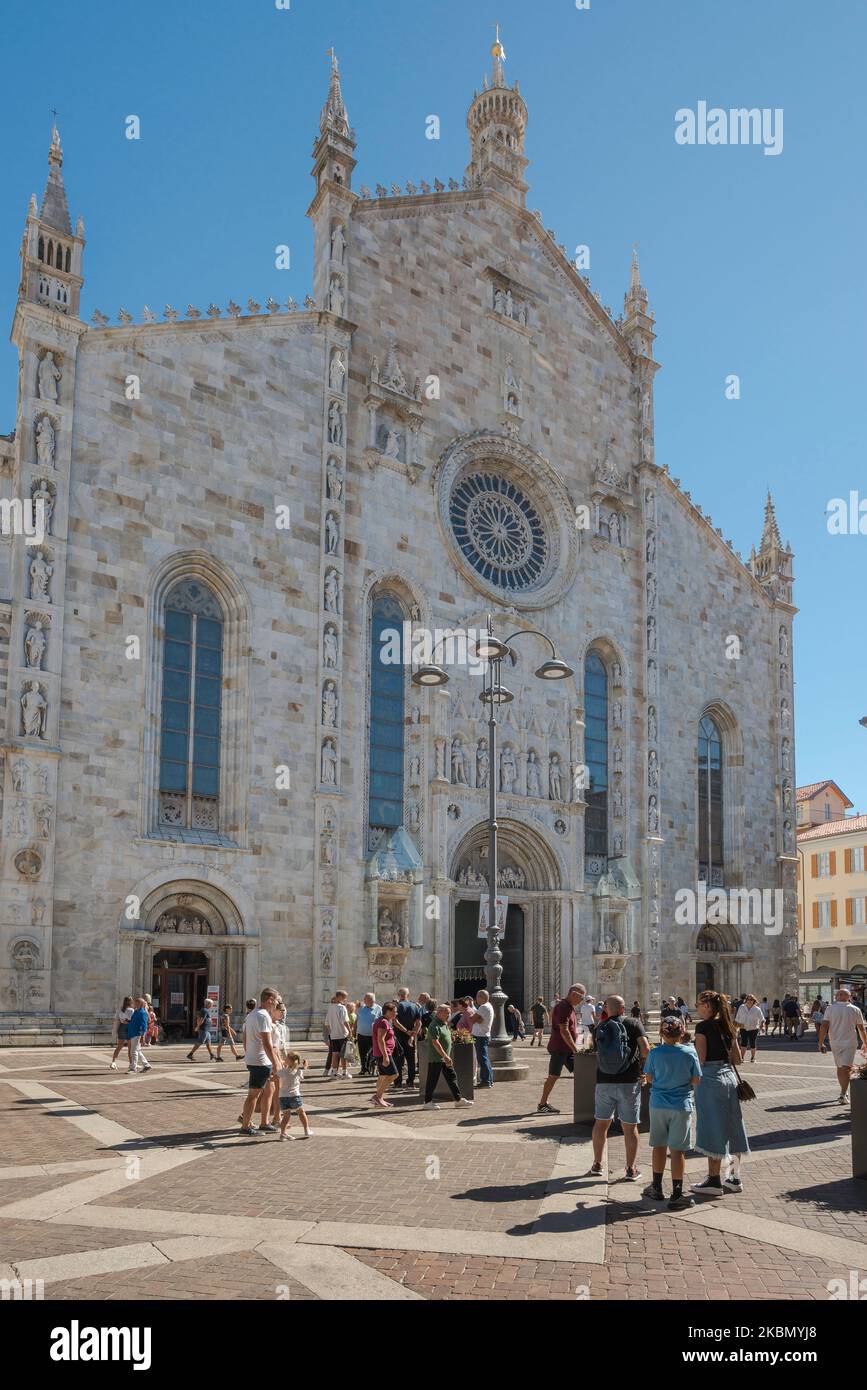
x=430, y=675
x=554, y=671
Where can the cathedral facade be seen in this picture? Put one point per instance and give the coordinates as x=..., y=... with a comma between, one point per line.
x=213, y=777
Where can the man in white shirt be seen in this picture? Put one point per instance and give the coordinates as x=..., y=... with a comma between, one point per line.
x=261, y=1062
x=483, y=1022
x=749, y=1018
x=337, y=1026
x=587, y=1015
x=843, y=1025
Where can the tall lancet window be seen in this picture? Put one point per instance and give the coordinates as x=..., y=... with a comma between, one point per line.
x=710, y=803
x=596, y=760
x=387, y=698
x=190, y=709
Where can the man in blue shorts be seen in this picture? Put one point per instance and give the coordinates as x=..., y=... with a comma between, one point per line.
x=621, y=1047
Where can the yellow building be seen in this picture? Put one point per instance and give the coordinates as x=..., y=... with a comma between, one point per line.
x=832, y=892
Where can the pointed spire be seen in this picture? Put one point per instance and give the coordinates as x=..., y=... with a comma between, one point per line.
x=54, y=211
x=634, y=276
x=771, y=534
x=498, y=53
x=334, y=115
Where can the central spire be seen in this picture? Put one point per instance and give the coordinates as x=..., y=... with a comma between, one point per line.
x=55, y=211
x=497, y=121
x=334, y=115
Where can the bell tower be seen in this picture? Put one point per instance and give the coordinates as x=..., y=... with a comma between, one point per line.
x=51, y=254
x=497, y=122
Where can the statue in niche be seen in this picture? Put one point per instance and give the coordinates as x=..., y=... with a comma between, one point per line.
x=415, y=768
x=45, y=442
x=326, y=853
x=651, y=724
x=332, y=534
x=42, y=493
x=555, y=778
x=20, y=776
x=335, y=296
x=616, y=674
x=459, y=764
x=651, y=675
x=20, y=823
x=508, y=770
x=651, y=634
x=653, y=815
x=785, y=715
x=329, y=706
x=499, y=301
x=40, y=578
x=335, y=423
x=414, y=816
x=617, y=714
x=34, y=707
x=47, y=378
x=44, y=816
x=617, y=844
x=617, y=757
x=415, y=715
x=534, y=777
x=334, y=480
x=650, y=506
x=332, y=592
x=34, y=645
x=326, y=960
x=785, y=755
x=650, y=548
x=652, y=769
x=393, y=441
x=387, y=930
x=329, y=763
x=784, y=642
x=651, y=591
x=604, y=527
x=25, y=956
x=617, y=804
x=615, y=528
x=784, y=674
x=336, y=371
x=37, y=912
x=483, y=763
x=338, y=244
x=329, y=648
x=787, y=796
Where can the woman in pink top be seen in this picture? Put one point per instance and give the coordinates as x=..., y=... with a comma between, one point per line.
x=383, y=1047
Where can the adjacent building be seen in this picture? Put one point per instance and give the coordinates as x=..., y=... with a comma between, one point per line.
x=832, y=892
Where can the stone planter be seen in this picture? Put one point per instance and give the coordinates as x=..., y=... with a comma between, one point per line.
x=858, y=1094
x=464, y=1057
x=584, y=1094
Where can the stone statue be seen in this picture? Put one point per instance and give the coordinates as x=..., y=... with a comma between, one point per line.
x=650, y=548
x=44, y=815
x=387, y=930
x=651, y=724
x=787, y=796
x=326, y=853
x=34, y=707
x=40, y=577
x=617, y=804
x=393, y=440
x=45, y=441
x=651, y=634
x=650, y=506
x=653, y=815
x=329, y=706
x=332, y=534
x=329, y=763
x=34, y=645
x=651, y=675
x=616, y=674
x=459, y=764
x=555, y=778
x=482, y=763
x=618, y=844
x=440, y=747
x=651, y=591
x=499, y=301
x=785, y=755
x=20, y=772
x=337, y=371
x=785, y=714
x=508, y=770
x=784, y=674
x=338, y=244
x=784, y=642
x=335, y=297
x=652, y=769
x=20, y=819
x=47, y=377
x=335, y=480
x=332, y=592
x=335, y=423
x=534, y=780
x=617, y=757
x=415, y=767
x=615, y=528
x=41, y=493
x=329, y=647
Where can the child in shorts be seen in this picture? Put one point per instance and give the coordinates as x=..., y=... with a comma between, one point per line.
x=290, y=1095
x=674, y=1071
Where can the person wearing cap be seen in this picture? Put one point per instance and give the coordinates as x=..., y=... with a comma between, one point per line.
x=587, y=1014
x=673, y=1071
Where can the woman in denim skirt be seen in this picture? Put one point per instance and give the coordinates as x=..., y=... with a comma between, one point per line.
x=720, y=1132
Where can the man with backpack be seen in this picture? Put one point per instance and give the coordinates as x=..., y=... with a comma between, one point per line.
x=791, y=1016
x=621, y=1047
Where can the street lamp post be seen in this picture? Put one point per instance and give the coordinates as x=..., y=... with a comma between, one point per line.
x=493, y=652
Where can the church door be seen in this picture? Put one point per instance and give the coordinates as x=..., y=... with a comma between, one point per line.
x=180, y=981
x=469, y=953
x=703, y=976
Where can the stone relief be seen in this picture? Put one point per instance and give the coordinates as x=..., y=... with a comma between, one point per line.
x=329, y=705
x=40, y=577
x=332, y=591
x=28, y=863
x=335, y=423
x=329, y=647
x=337, y=370
x=34, y=641
x=20, y=776
x=19, y=822
x=338, y=243
x=48, y=377
x=184, y=923
x=46, y=441
x=505, y=303
x=332, y=533
x=334, y=476
x=555, y=777
x=329, y=763
x=34, y=710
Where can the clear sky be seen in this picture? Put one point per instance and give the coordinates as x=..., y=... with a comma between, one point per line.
x=754, y=263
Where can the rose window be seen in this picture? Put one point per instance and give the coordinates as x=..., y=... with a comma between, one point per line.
x=499, y=531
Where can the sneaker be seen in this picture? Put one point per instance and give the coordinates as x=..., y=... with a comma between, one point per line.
x=347, y=1075
x=248, y=1130
x=843, y=1099
x=218, y=1059
x=733, y=1185
x=633, y=1174
x=306, y=1135
x=132, y=1071
x=547, y=1110
x=268, y=1129
x=595, y=1170
x=463, y=1101
x=331, y=1076
x=681, y=1203
x=146, y=1066
x=656, y=1194
x=432, y=1105
x=707, y=1189
x=287, y=1136
x=112, y=1066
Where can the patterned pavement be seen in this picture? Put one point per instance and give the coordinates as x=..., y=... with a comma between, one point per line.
x=101, y=1173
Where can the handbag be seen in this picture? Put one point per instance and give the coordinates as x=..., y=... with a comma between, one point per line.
x=745, y=1090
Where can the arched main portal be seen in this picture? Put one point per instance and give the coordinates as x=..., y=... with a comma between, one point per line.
x=529, y=876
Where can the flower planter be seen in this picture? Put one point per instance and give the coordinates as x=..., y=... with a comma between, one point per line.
x=464, y=1058
x=584, y=1094
x=858, y=1094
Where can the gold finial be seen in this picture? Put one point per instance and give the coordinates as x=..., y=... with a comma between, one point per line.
x=498, y=51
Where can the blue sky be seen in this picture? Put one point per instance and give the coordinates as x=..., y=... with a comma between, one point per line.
x=754, y=264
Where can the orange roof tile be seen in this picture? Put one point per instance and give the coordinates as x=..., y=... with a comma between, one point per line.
x=845, y=826
x=813, y=789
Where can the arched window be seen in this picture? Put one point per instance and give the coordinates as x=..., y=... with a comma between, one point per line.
x=710, y=803
x=41, y=252
x=67, y=258
x=596, y=760
x=387, y=694
x=189, y=780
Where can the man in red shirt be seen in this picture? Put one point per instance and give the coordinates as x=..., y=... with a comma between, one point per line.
x=562, y=1044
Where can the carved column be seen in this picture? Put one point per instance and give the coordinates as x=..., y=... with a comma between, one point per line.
x=649, y=752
